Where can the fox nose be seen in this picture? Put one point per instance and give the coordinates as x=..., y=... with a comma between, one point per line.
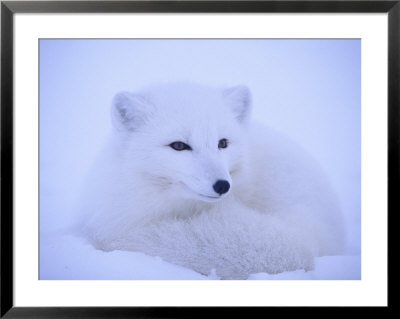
x=221, y=187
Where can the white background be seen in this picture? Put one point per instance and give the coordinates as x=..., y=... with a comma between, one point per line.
x=370, y=28
x=308, y=89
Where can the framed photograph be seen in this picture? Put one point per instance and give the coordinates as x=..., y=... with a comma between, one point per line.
x=164, y=155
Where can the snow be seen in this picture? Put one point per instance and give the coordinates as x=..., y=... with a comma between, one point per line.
x=308, y=89
x=75, y=259
x=326, y=268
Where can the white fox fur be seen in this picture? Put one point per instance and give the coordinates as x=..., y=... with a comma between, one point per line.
x=143, y=195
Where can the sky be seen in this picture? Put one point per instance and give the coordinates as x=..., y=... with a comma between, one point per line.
x=308, y=89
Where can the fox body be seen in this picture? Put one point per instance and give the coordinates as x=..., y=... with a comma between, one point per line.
x=187, y=176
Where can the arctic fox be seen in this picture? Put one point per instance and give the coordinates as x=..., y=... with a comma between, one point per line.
x=187, y=176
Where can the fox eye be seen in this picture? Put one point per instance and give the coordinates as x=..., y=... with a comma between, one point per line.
x=180, y=146
x=223, y=143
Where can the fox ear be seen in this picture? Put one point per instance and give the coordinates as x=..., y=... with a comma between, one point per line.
x=129, y=111
x=239, y=99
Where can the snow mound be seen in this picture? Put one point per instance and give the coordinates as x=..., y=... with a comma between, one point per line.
x=66, y=257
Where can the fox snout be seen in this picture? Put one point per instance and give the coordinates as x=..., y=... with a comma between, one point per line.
x=206, y=178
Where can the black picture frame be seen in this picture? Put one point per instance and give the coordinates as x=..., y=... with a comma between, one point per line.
x=9, y=8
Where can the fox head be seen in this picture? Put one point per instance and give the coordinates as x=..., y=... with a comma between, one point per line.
x=185, y=140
